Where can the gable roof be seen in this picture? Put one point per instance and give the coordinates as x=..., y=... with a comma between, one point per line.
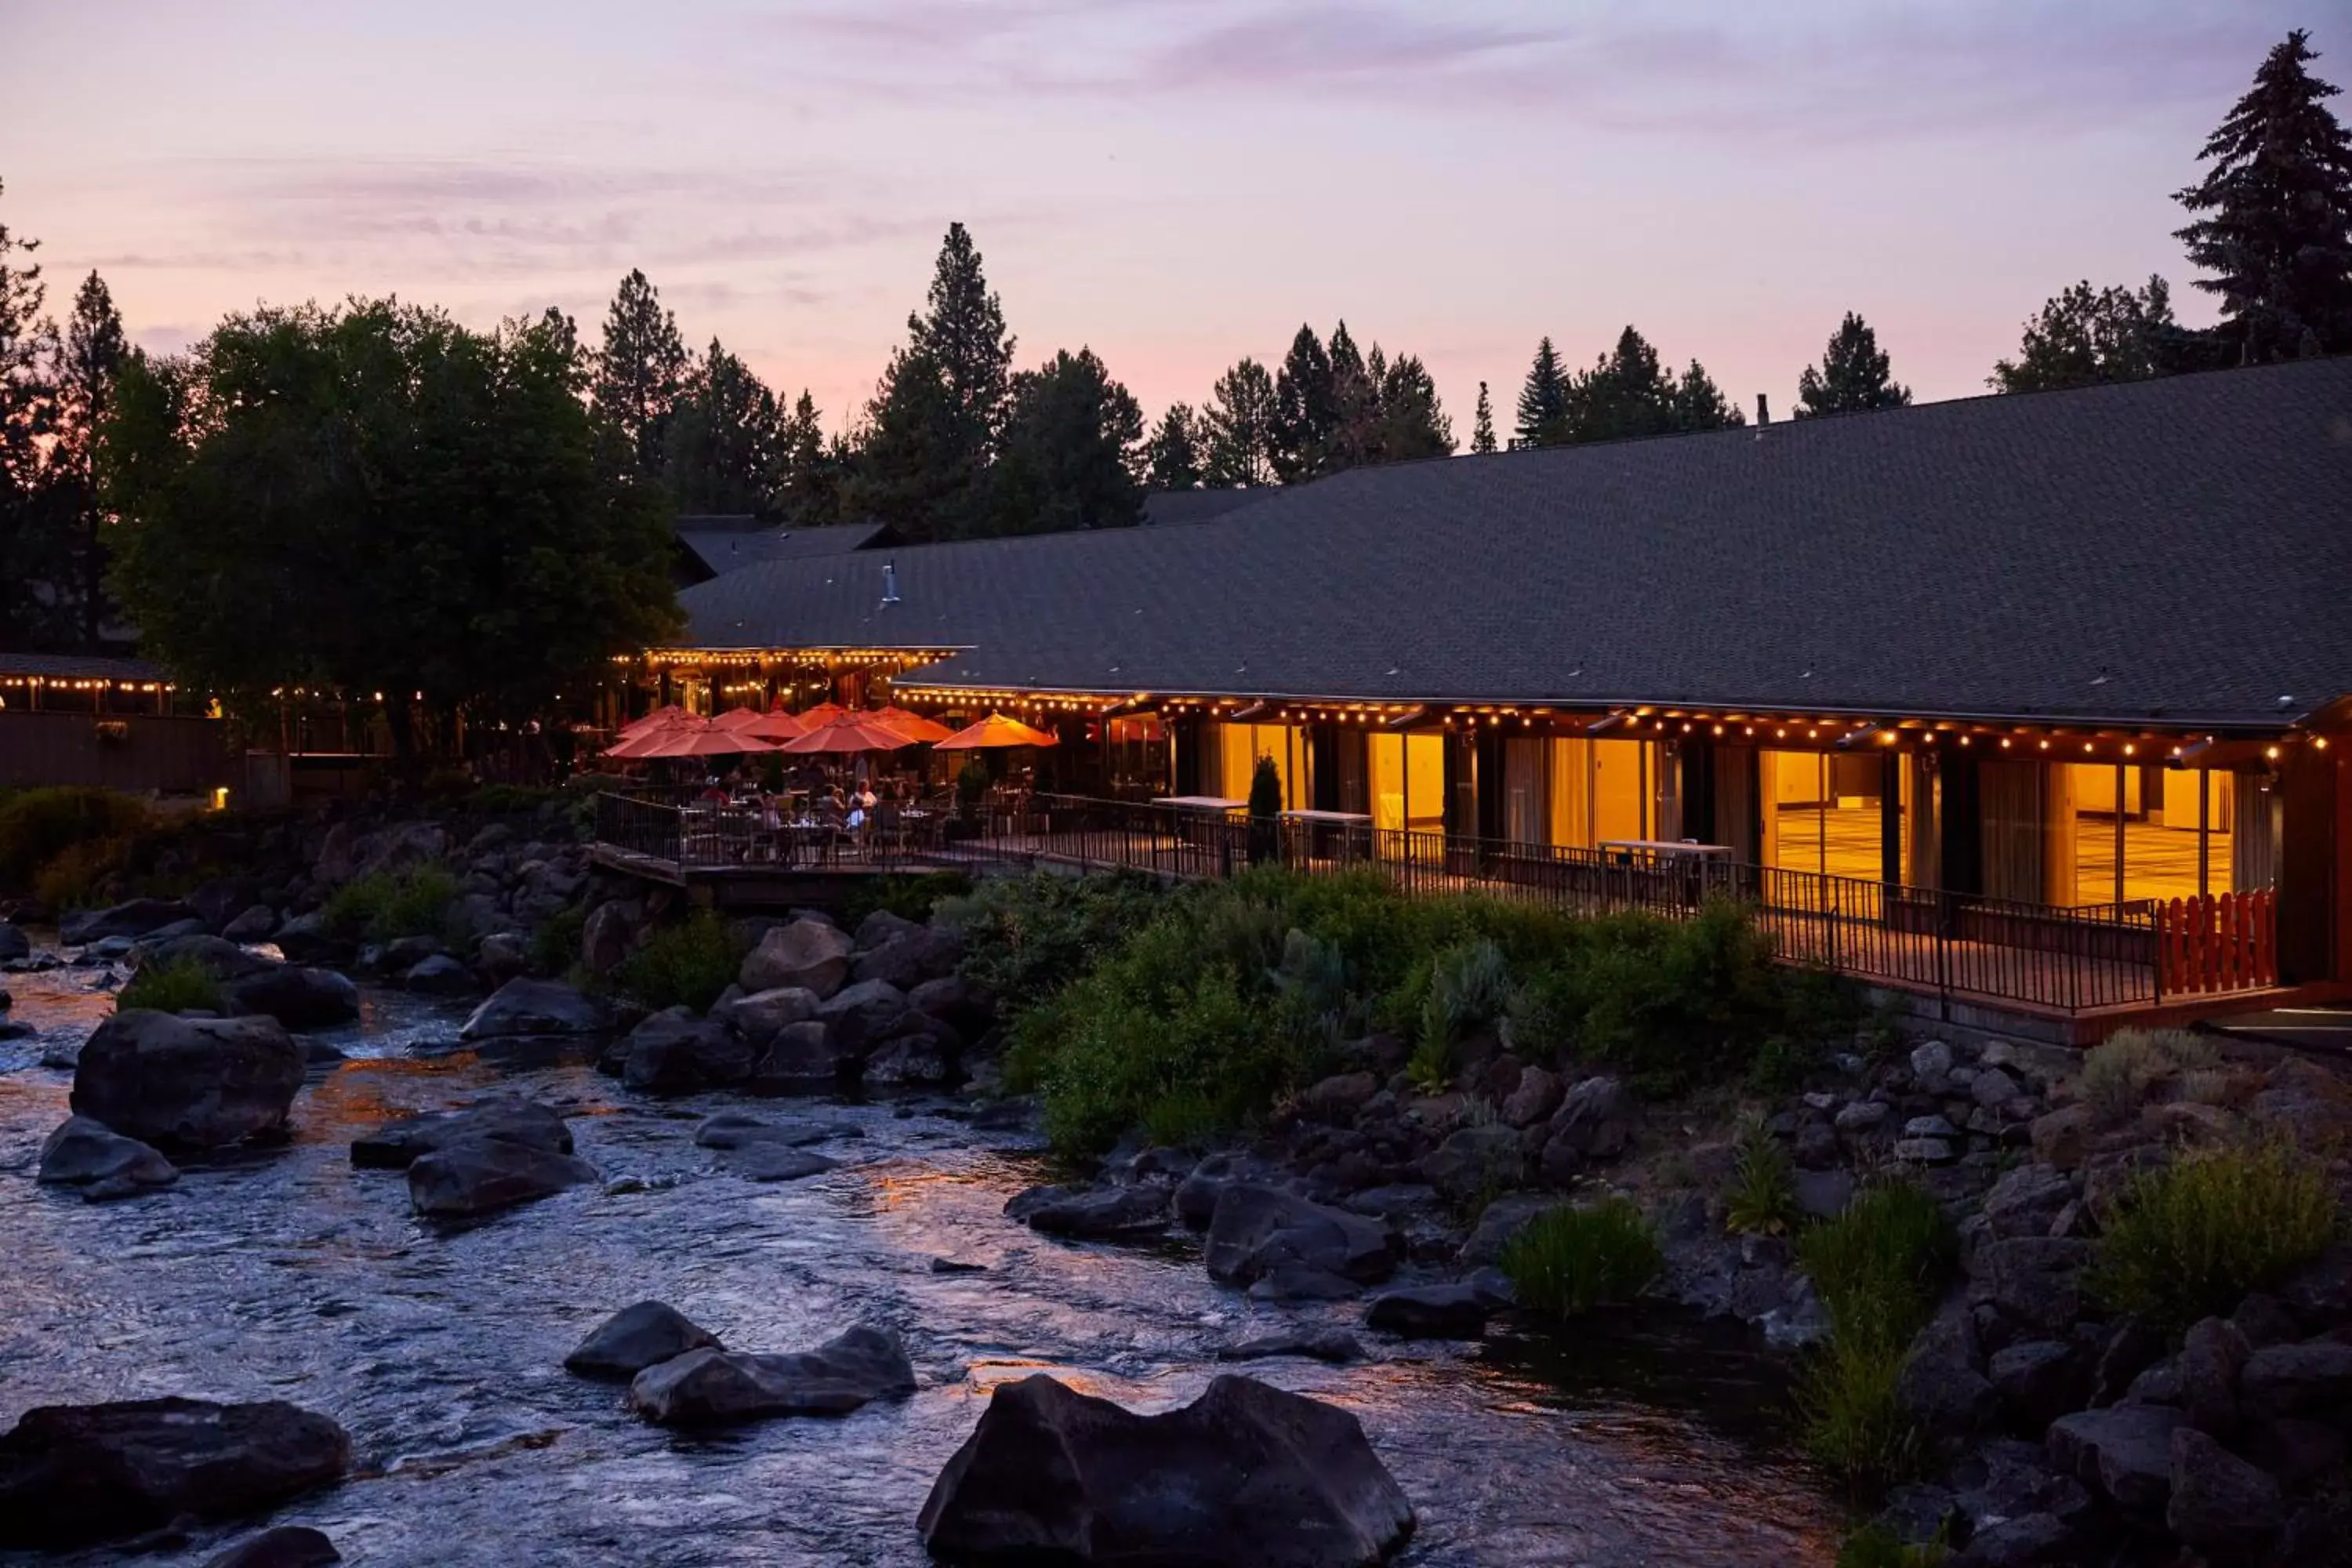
x=724, y=544
x=1162, y=508
x=2175, y=551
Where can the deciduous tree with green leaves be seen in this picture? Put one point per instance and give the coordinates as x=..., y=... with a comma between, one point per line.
x=374, y=500
x=1854, y=375
x=2273, y=223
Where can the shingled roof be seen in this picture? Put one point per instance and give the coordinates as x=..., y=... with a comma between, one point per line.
x=2177, y=551
x=724, y=544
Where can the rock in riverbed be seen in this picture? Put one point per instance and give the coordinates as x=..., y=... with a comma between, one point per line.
x=1247, y=1475
x=535, y=1008
x=188, y=1082
x=473, y=1176
x=102, y=1163
x=396, y=1145
x=717, y=1387
x=635, y=1338
x=287, y=1546
x=1102, y=1214
x=72, y=1474
x=1256, y=1229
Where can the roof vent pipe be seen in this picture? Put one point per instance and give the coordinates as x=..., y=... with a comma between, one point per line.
x=890, y=582
x=1763, y=411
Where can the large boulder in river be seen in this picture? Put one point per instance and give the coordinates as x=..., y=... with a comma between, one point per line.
x=188, y=1082
x=864, y=1015
x=396, y=1145
x=287, y=1546
x=298, y=997
x=803, y=1059
x=911, y=957
x=810, y=954
x=674, y=1052
x=764, y=1015
x=13, y=943
x=73, y=1474
x=638, y=1337
x=716, y=1387
x=102, y=1163
x=216, y=956
x=139, y=917
x=1256, y=1229
x=473, y=1176
x=1247, y=1475
x=523, y=1007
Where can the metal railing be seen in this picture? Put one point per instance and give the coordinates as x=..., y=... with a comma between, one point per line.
x=675, y=838
x=1950, y=944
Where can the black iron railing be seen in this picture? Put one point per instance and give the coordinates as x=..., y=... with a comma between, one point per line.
x=1956, y=945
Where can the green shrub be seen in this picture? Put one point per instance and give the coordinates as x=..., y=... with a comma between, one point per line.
x=555, y=945
x=1876, y=1546
x=2119, y=1072
x=2194, y=1239
x=971, y=783
x=909, y=896
x=688, y=963
x=36, y=825
x=1880, y=1267
x=1469, y=990
x=183, y=986
x=83, y=876
x=383, y=906
x=1762, y=1200
x=1570, y=1260
x=1026, y=937
x=509, y=800
x=1854, y=1423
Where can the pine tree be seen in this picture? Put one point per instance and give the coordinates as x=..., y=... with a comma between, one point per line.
x=637, y=370
x=91, y=360
x=810, y=469
x=725, y=442
x=1543, y=401
x=2085, y=337
x=1411, y=423
x=2274, y=228
x=1853, y=377
x=1306, y=409
x=1481, y=430
x=1697, y=404
x=35, y=545
x=962, y=329
x=1071, y=448
x=1239, y=426
x=1173, y=458
x=1355, y=437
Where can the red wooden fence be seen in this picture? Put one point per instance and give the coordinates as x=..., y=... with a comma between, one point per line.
x=2217, y=941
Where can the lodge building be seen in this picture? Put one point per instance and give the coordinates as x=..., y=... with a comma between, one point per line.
x=2077, y=660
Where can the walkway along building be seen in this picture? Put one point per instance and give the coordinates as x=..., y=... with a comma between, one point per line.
x=2058, y=687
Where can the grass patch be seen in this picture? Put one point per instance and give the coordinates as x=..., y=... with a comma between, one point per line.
x=36, y=825
x=1568, y=1261
x=2192, y=1240
x=1876, y=1546
x=1762, y=1199
x=688, y=963
x=83, y=876
x=183, y=986
x=2120, y=1072
x=383, y=906
x=1880, y=1268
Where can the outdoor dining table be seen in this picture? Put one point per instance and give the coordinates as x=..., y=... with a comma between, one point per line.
x=1348, y=832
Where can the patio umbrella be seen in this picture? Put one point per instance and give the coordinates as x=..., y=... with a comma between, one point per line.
x=739, y=718
x=776, y=726
x=668, y=714
x=912, y=726
x=822, y=713
x=633, y=743
x=707, y=742
x=995, y=731
x=847, y=734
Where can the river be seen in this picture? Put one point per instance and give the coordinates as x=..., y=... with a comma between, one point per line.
x=290, y=1276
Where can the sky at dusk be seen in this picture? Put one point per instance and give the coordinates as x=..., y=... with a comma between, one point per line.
x=1175, y=183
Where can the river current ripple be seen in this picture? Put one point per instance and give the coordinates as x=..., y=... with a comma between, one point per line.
x=290, y=1276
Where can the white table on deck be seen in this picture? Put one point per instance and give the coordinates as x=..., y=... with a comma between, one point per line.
x=1662, y=847
x=1199, y=803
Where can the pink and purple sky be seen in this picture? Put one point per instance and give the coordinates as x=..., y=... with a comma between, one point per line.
x=1175, y=183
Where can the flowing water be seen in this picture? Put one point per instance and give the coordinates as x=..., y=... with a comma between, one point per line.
x=290, y=1276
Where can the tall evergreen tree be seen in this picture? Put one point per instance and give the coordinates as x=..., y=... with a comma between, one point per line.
x=1306, y=409
x=92, y=358
x=35, y=539
x=1629, y=392
x=1697, y=404
x=1175, y=456
x=1482, y=431
x=2085, y=337
x=1239, y=426
x=2275, y=215
x=1411, y=423
x=932, y=428
x=1543, y=400
x=1853, y=377
x=1072, y=446
x=1356, y=379
x=639, y=365
x=810, y=469
x=724, y=444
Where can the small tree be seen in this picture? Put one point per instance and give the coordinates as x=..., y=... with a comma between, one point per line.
x=1482, y=428
x=1854, y=375
x=1264, y=811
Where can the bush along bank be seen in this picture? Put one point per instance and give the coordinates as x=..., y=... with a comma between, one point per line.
x=2052, y=1307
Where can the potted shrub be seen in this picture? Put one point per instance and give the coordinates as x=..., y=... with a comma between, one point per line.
x=1264, y=812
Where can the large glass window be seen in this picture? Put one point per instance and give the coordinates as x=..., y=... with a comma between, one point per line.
x=1601, y=790
x=1825, y=812
x=2141, y=834
x=1239, y=746
x=1408, y=782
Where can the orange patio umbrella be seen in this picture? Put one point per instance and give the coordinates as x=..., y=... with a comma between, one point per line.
x=822, y=713
x=709, y=740
x=995, y=731
x=669, y=714
x=634, y=744
x=776, y=726
x=912, y=726
x=739, y=718
x=848, y=733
